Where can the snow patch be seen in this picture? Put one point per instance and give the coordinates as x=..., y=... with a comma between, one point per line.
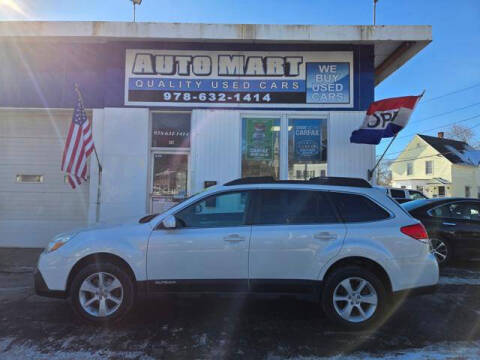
x=441, y=351
x=26, y=351
x=454, y=280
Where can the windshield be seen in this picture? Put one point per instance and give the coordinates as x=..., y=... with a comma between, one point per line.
x=411, y=205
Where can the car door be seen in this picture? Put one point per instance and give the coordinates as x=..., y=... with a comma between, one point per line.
x=459, y=222
x=464, y=220
x=207, y=251
x=294, y=233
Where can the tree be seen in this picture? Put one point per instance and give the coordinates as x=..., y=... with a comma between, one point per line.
x=461, y=133
x=384, y=174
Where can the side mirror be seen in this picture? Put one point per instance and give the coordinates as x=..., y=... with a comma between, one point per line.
x=169, y=222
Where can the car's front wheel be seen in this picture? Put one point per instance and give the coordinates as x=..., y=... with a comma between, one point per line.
x=354, y=297
x=102, y=293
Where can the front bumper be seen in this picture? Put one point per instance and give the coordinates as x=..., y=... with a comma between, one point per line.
x=42, y=289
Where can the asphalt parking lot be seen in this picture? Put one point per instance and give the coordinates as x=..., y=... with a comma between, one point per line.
x=445, y=325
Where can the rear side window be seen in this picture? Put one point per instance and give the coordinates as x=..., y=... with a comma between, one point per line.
x=294, y=207
x=397, y=194
x=358, y=208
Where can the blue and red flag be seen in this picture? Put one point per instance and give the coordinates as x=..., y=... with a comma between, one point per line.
x=385, y=118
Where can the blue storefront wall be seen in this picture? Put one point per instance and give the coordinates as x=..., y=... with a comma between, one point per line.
x=42, y=74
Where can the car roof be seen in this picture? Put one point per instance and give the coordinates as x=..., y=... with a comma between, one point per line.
x=416, y=204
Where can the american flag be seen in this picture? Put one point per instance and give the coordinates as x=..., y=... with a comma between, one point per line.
x=78, y=147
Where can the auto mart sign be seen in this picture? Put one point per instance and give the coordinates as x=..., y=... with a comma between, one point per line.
x=239, y=79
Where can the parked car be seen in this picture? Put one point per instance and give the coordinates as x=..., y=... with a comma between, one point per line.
x=404, y=195
x=453, y=225
x=338, y=240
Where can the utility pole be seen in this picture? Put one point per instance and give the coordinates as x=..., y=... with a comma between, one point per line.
x=374, y=12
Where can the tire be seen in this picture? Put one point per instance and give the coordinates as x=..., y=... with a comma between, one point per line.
x=364, y=312
x=442, y=251
x=96, y=306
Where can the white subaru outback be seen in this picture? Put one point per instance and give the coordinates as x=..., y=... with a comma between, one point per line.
x=337, y=239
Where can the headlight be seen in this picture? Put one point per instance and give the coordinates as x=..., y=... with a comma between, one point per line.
x=59, y=241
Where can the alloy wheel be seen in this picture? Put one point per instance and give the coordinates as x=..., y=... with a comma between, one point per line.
x=355, y=299
x=440, y=250
x=101, y=294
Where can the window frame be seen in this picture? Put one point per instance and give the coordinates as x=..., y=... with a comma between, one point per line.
x=426, y=167
x=284, y=116
x=409, y=168
x=257, y=207
x=444, y=190
x=247, y=217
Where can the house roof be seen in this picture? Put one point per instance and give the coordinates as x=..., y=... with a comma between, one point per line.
x=457, y=152
x=393, y=45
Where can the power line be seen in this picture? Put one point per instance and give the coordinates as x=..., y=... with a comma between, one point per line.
x=469, y=128
x=451, y=93
x=441, y=126
x=448, y=112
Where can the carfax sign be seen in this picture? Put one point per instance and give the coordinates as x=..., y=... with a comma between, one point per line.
x=239, y=79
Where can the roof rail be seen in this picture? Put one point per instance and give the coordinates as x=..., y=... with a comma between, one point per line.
x=325, y=180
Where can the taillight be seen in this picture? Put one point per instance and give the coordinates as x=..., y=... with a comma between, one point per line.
x=416, y=231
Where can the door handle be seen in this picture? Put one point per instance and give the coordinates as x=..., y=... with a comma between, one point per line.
x=449, y=224
x=234, y=238
x=325, y=236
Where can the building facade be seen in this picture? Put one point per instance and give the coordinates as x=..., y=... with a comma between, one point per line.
x=179, y=107
x=438, y=167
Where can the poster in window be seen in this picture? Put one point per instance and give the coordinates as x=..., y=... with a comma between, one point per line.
x=307, y=140
x=259, y=139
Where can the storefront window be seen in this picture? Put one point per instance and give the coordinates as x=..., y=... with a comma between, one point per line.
x=307, y=148
x=261, y=147
x=171, y=130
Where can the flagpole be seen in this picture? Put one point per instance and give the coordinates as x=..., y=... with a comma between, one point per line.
x=100, y=168
x=370, y=172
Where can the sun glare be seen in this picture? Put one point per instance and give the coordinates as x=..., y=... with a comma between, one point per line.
x=9, y=6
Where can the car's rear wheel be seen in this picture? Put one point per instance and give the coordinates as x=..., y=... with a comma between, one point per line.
x=102, y=293
x=354, y=297
x=442, y=251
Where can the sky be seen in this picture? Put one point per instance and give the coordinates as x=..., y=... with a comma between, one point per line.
x=448, y=69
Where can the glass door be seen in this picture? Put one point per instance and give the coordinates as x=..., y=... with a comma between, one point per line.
x=307, y=148
x=169, y=180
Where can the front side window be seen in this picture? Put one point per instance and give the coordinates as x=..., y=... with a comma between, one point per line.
x=358, y=208
x=261, y=147
x=220, y=210
x=460, y=210
x=307, y=148
x=292, y=207
x=429, y=167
